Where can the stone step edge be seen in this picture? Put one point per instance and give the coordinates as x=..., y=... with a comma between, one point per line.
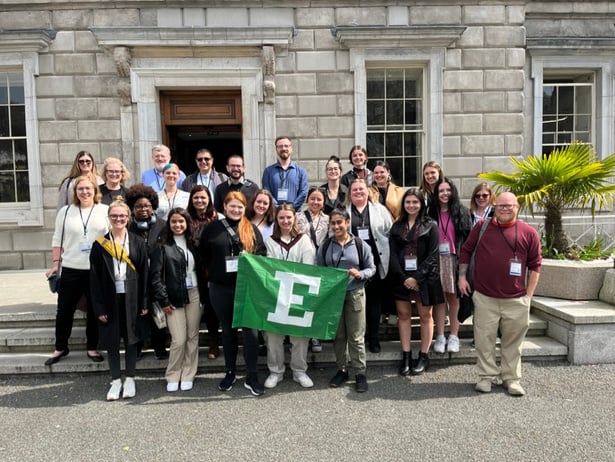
x=534, y=349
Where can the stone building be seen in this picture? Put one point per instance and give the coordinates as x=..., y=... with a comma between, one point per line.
x=466, y=83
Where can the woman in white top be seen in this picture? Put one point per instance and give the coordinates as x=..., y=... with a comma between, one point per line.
x=261, y=212
x=289, y=244
x=77, y=227
x=171, y=196
x=82, y=165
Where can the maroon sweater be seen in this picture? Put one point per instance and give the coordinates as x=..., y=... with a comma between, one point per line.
x=495, y=251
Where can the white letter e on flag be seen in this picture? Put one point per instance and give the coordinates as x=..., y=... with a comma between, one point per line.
x=286, y=298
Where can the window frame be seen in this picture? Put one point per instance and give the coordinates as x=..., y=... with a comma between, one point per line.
x=431, y=62
x=553, y=66
x=26, y=213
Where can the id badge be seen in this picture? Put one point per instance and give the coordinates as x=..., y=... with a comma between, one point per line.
x=282, y=194
x=444, y=248
x=85, y=245
x=120, y=287
x=363, y=232
x=189, y=284
x=410, y=263
x=515, y=267
x=231, y=264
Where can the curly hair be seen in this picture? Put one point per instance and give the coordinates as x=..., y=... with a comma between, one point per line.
x=140, y=191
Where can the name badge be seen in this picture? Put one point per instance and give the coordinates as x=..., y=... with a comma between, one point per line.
x=363, y=232
x=120, y=287
x=444, y=248
x=282, y=194
x=410, y=263
x=85, y=245
x=515, y=267
x=189, y=283
x=231, y=264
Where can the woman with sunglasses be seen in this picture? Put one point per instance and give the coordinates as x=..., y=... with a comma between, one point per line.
x=482, y=202
x=83, y=165
x=118, y=281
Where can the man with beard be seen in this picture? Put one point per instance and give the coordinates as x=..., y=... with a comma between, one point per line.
x=161, y=156
x=507, y=263
x=236, y=182
x=286, y=180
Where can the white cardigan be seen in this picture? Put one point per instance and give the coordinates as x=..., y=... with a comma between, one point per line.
x=301, y=252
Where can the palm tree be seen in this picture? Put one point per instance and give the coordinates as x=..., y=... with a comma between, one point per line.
x=568, y=177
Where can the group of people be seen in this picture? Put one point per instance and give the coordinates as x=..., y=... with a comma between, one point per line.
x=168, y=248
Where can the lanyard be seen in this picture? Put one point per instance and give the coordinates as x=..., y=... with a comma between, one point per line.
x=448, y=221
x=85, y=223
x=118, y=259
x=283, y=176
x=205, y=178
x=234, y=239
x=171, y=202
x=513, y=248
x=361, y=215
x=337, y=264
x=158, y=178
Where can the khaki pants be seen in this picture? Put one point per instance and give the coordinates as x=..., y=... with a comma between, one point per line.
x=183, y=325
x=275, y=353
x=513, y=317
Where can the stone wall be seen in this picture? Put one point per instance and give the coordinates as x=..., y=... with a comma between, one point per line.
x=484, y=112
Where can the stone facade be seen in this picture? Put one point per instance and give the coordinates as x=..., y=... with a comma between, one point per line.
x=300, y=66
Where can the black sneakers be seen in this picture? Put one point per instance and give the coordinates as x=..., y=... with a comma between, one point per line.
x=338, y=379
x=227, y=382
x=252, y=384
x=361, y=383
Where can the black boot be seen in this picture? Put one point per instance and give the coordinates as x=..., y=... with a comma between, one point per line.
x=422, y=364
x=404, y=367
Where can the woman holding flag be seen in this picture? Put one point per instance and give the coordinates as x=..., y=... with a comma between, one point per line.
x=118, y=280
x=221, y=243
x=289, y=244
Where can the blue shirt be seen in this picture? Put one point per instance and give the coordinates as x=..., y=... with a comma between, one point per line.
x=293, y=179
x=156, y=181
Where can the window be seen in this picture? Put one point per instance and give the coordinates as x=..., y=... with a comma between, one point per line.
x=395, y=130
x=567, y=111
x=14, y=183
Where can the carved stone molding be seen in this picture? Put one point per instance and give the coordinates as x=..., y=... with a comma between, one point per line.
x=269, y=74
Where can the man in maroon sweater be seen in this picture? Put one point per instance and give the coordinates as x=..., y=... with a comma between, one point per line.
x=506, y=272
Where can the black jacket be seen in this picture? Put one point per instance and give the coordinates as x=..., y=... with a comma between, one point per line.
x=102, y=284
x=168, y=275
x=427, y=273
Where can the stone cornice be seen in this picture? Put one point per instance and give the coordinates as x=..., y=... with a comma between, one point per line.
x=397, y=36
x=280, y=37
x=25, y=40
x=571, y=43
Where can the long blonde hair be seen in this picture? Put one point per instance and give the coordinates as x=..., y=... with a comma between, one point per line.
x=75, y=171
x=244, y=229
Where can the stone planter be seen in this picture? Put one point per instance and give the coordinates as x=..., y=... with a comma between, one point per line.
x=572, y=280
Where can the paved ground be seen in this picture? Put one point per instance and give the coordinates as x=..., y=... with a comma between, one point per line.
x=566, y=416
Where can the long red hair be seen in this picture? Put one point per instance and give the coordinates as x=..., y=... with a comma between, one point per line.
x=245, y=229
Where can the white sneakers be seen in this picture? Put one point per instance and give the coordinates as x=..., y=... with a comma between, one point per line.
x=273, y=380
x=172, y=386
x=185, y=386
x=453, y=344
x=303, y=379
x=129, y=390
x=439, y=344
x=114, y=392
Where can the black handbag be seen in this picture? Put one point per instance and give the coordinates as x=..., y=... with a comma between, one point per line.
x=54, y=279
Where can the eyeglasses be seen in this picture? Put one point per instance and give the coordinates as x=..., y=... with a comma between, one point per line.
x=204, y=159
x=505, y=206
x=482, y=196
x=118, y=217
x=85, y=161
x=233, y=167
x=114, y=172
x=283, y=146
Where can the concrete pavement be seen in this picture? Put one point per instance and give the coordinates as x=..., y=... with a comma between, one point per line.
x=566, y=416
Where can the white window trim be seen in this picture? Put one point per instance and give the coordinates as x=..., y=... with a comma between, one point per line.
x=604, y=106
x=432, y=62
x=27, y=213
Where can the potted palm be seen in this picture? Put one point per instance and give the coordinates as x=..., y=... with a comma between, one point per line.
x=570, y=177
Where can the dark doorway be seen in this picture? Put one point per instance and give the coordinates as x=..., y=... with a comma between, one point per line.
x=185, y=141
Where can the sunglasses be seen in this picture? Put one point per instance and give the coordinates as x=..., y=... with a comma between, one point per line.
x=204, y=159
x=482, y=196
x=85, y=161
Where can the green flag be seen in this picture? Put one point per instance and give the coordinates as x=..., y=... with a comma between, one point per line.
x=289, y=298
